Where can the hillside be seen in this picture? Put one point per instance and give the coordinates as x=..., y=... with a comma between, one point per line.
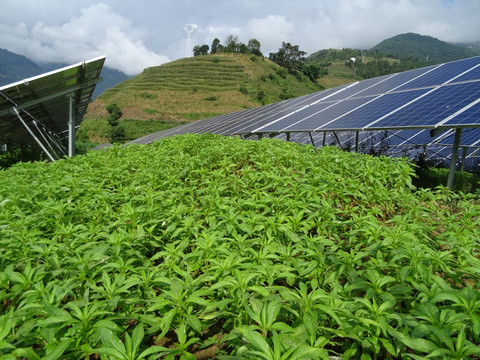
x=422, y=47
x=14, y=67
x=190, y=89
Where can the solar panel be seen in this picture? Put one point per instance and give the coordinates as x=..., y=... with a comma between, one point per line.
x=443, y=73
x=432, y=107
x=396, y=111
x=43, y=102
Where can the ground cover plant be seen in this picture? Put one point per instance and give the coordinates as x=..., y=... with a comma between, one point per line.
x=201, y=246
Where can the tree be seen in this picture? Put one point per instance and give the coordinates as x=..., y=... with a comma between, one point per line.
x=200, y=50
x=115, y=114
x=117, y=133
x=232, y=44
x=254, y=47
x=314, y=71
x=216, y=46
x=289, y=56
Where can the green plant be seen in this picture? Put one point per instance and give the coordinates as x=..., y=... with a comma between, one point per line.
x=264, y=249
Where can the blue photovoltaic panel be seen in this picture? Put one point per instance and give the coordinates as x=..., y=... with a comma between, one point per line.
x=469, y=116
x=302, y=115
x=473, y=74
x=442, y=73
x=322, y=117
x=373, y=110
x=356, y=89
x=395, y=81
x=434, y=107
x=470, y=136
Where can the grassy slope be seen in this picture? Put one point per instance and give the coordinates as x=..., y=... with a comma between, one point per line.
x=201, y=234
x=190, y=89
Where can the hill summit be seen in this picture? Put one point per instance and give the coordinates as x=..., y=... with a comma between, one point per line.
x=422, y=47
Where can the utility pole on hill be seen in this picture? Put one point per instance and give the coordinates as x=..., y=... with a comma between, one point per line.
x=189, y=29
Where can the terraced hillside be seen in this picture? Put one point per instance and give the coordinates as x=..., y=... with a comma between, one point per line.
x=190, y=89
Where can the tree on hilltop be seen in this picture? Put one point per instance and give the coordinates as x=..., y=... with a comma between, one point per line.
x=289, y=56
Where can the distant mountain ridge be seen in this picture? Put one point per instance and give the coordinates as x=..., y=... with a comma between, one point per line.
x=14, y=67
x=422, y=47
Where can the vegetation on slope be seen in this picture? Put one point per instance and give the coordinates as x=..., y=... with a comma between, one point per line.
x=201, y=246
x=422, y=47
x=194, y=88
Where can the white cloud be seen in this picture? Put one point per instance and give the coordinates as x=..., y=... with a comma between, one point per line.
x=98, y=30
x=271, y=31
x=142, y=33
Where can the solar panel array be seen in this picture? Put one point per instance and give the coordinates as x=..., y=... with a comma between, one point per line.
x=395, y=111
x=43, y=101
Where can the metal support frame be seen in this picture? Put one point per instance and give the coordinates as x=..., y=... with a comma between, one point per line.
x=454, y=159
x=311, y=139
x=288, y=136
x=71, y=127
x=33, y=135
x=464, y=156
x=324, y=142
x=356, y=140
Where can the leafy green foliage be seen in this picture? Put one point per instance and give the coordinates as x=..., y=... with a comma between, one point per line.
x=289, y=56
x=201, y=244
x=412, y=45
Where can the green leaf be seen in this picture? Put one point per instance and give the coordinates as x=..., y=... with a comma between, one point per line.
x=6, y=324
x=166, y=321
x=388, y=346
x=58, y=350
x=194, y=323
x=26, y=353
x=421, y=345
x=309, y=352
x=109, y=338
x=152, y=350
x=137, y=336
x=256, y=340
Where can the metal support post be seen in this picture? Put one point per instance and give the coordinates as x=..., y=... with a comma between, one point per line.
x=324, y=138
x=311, y=139
x=356, y=141
x=454, y=159
x=71, y=127
x=464, y=156
x=288, y=136
x=33, y=135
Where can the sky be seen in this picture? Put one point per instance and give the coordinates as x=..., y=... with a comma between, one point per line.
x=136, y=34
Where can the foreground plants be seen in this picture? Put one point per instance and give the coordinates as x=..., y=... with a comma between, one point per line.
x=201, y=247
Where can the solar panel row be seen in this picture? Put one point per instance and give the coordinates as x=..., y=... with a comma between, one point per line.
x=404, y=106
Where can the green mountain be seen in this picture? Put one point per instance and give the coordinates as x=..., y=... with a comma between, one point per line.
x=472, y=46
x=190, y=89
x=14, y=67
x=421, y=47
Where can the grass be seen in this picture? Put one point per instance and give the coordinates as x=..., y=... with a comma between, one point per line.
x=98, y=131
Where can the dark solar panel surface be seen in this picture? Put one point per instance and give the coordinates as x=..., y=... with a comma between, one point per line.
x=437, y=105
x=373, y=110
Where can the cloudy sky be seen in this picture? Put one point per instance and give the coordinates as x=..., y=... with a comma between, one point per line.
x=135, y=34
